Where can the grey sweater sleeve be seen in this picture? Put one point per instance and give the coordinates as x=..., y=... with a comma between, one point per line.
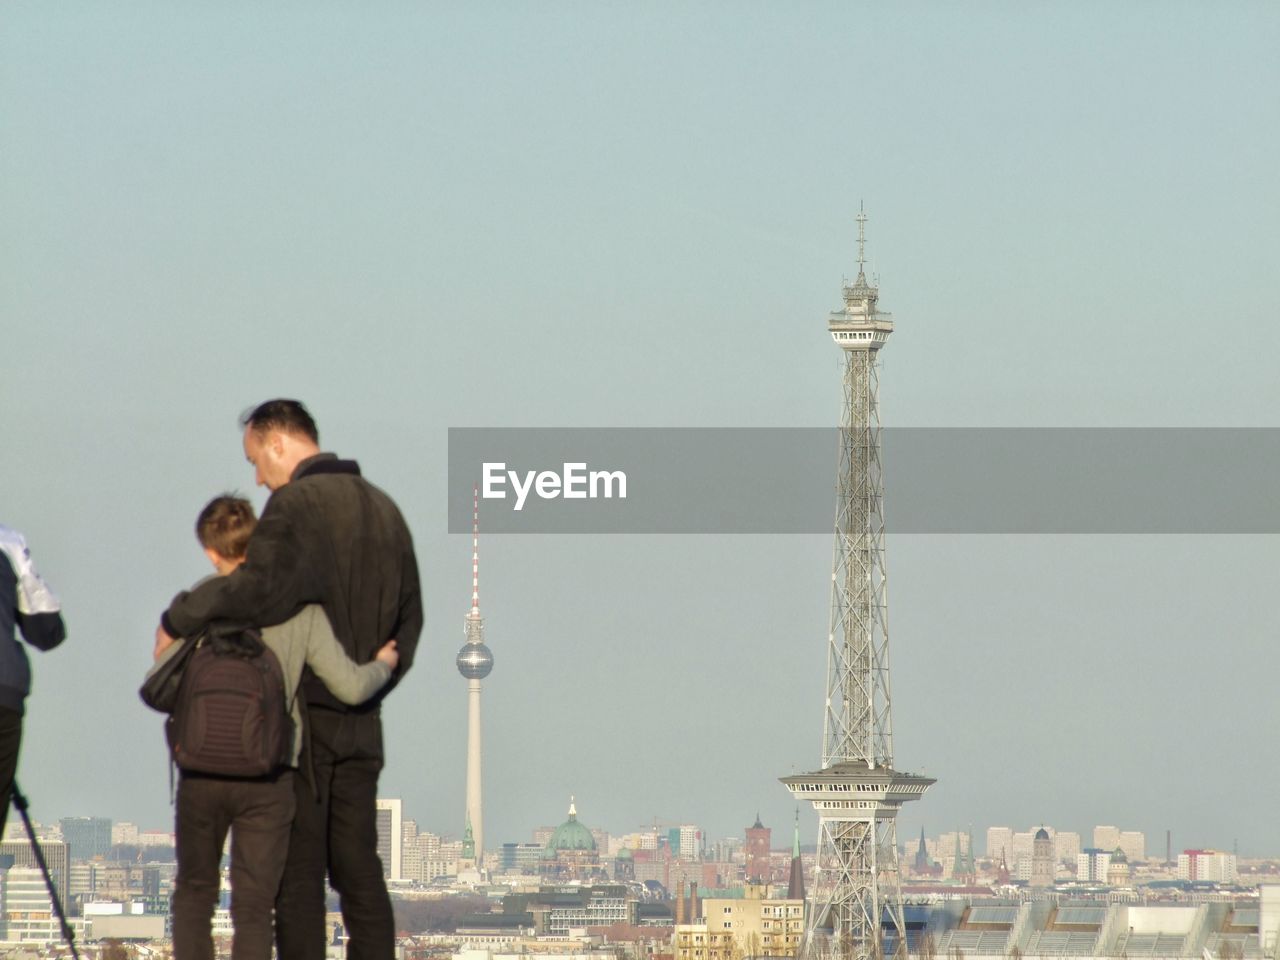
x=350, y=682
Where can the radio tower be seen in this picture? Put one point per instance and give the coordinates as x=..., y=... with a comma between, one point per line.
x=474, y=662
x=856, y=903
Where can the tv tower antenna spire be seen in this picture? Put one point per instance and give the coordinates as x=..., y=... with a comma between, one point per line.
x=856, y=903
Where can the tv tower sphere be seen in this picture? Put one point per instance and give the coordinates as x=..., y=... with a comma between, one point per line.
x=475, y=660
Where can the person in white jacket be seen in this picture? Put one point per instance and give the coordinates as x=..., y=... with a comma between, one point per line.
x=28, y=606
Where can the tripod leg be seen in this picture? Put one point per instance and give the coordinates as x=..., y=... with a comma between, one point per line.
x=20, y=802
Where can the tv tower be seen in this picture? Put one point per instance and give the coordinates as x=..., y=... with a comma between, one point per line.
x=475, y=661
x=856, y=898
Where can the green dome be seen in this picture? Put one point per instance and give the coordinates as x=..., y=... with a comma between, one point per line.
x=625, y=854
x=571, y=835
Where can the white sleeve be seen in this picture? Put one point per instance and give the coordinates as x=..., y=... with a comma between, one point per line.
x=34, y=595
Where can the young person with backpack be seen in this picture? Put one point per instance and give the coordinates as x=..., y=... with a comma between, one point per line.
x=236, y=736
x=329, y=536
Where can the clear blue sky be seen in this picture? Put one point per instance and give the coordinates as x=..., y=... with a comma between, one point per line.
x=417, y=216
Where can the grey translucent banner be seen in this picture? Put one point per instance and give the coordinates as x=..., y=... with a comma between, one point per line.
x=783, y=480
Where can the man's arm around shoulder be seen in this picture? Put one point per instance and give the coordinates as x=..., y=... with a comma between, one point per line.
x=409, y=614
x=272, y=583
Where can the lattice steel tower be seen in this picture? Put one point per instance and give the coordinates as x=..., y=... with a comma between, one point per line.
x=855, y=904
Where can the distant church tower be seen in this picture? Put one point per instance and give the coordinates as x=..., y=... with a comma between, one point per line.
x=758, y=867
x=795, y=882
x=1042, y=859
x=474, y=662
x=966, y=867
x=923, y=865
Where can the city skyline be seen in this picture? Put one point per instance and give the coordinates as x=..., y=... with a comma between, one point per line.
x=572, y=885
x=1068, y=843
x=418, y=219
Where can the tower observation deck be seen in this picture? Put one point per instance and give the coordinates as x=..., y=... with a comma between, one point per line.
x=855, y=904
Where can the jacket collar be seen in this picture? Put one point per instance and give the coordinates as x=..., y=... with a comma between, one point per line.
x=324, y=463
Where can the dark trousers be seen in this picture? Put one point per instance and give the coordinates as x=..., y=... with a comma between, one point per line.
x=258, y=813
x=10, y=741
x=336, y=829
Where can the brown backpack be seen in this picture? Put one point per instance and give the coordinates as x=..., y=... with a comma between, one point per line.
x=231, y=717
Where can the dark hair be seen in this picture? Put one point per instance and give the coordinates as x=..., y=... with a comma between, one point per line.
x=225, y=525
x=288, y=416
